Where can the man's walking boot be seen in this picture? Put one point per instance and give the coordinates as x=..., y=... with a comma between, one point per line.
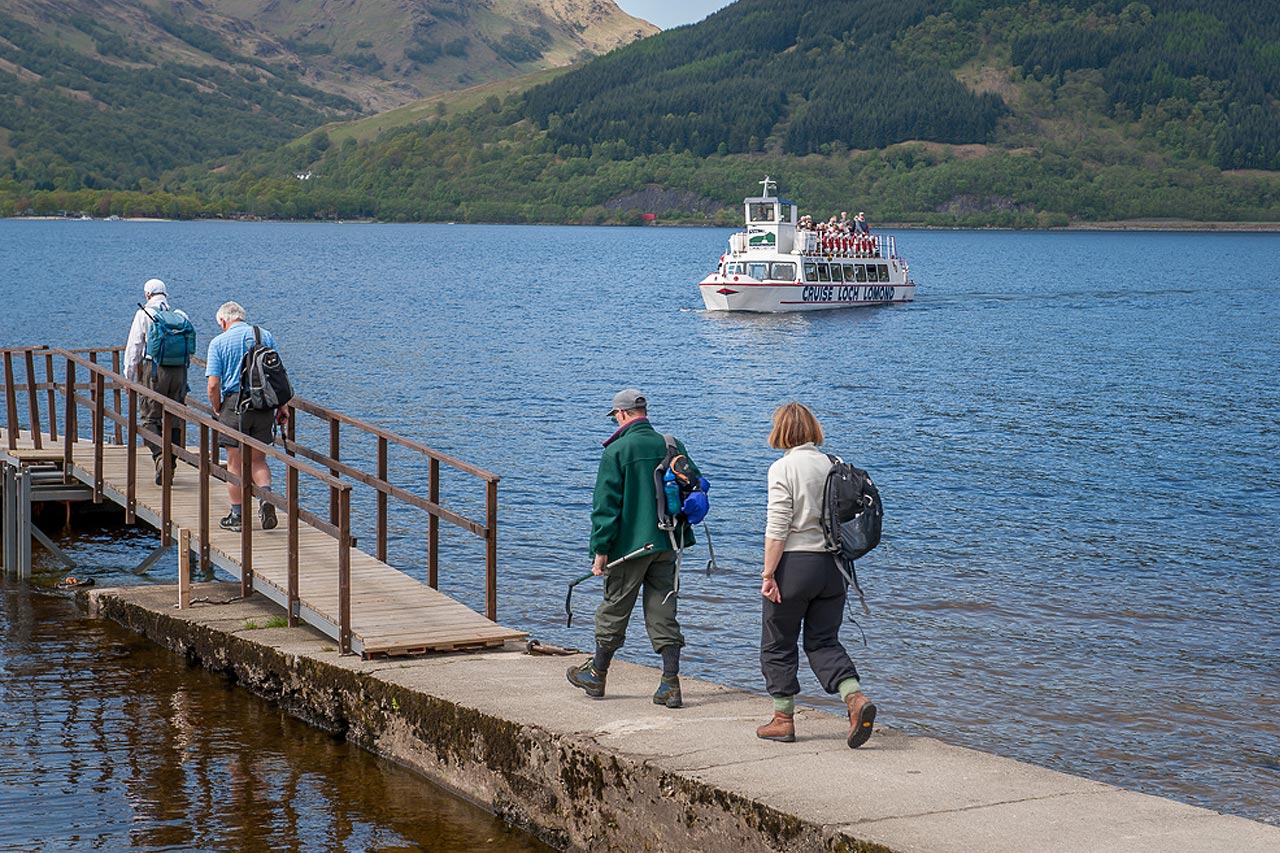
x=668, y=692
x=781, y=728
x=588, y=678
x=861, y=715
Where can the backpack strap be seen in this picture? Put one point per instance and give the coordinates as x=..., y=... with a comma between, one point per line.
x=665, y=519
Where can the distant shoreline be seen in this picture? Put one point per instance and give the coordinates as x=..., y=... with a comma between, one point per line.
x=1132, y=225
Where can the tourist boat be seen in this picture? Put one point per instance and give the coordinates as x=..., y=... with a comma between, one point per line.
x=775, y=265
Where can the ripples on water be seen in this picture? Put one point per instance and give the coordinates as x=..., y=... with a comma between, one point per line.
x=1076, y=436
x=111, y=743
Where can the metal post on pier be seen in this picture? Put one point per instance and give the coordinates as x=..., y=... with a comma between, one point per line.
x=8, y=518
x=23, y=513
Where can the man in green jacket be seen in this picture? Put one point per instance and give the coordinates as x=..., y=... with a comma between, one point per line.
x=624, y=519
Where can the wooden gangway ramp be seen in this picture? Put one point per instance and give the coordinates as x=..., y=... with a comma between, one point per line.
x=357, y=598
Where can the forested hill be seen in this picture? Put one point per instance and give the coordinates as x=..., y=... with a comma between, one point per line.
x=973, y=112
x=794, y=75
x=113, y=95
x=799, y=76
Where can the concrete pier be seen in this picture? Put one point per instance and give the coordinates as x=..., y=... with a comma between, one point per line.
x=504, y=729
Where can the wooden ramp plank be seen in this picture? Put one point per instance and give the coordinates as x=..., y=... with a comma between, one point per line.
x=391, y=612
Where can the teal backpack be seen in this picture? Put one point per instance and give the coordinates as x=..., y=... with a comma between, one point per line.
x=171, y=341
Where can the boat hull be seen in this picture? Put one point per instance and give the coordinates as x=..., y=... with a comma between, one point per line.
x=720, y=294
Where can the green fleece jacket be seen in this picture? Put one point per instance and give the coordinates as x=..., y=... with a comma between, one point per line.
x=624, y=508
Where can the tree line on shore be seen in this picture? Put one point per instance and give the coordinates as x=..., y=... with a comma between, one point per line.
x=1074, y=111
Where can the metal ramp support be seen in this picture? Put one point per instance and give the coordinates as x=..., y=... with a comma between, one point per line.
x=8, y=519
x=17, y=521
x=21, y=487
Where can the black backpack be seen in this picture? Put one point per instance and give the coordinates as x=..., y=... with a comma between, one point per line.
x=852, y=516
x=264, y=383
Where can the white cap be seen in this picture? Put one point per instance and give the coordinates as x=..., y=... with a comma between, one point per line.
x=154, y=286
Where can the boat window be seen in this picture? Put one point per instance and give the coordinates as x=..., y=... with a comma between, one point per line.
x=810, y=272
x=760, y=212
x=758, y=271
x=849, y=274
x=783, y=272
x=884, y=272
x=835, y=273
x=733, y=269
x=824, y=272
x=862, y=272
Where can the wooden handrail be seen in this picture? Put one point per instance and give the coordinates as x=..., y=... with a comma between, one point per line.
x=313, y=408
x=106, y=390
x=173, y=411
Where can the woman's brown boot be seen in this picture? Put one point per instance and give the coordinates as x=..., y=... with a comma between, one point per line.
x=781, y=728
x=861, y=715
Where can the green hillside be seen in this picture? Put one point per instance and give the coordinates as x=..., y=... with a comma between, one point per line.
x=113, y=96
x=1017, y=113
x=121, y=119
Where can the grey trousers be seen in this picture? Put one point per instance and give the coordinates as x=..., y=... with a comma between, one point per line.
x=655, y=574
x=171, y=382
x=813, y=595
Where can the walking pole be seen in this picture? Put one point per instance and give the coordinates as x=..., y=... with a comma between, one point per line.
x=711, y=549
x=568, y=599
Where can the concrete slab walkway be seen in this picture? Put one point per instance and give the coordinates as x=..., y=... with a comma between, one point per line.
x=505, y=730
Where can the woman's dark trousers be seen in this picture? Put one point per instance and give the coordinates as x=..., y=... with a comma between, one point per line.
x=813, y=596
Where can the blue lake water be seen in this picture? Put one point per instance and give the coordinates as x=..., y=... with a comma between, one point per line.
x=1077, y=437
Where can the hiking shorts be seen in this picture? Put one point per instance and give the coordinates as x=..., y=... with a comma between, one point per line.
x=258, y=424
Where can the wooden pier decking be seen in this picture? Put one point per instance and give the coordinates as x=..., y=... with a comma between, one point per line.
x=391, y=613
x=370, y=607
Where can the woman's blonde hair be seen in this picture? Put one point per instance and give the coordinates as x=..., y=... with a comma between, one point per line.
x=793, y=425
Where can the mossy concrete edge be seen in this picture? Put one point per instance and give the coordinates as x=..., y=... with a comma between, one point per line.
x=565, y=789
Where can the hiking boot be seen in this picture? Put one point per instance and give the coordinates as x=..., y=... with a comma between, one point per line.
x=159, y=460
x=861, y=715
x=267, y=515
x=230, y=521
x=668, y=692
x=781, y=728
x=588, y=678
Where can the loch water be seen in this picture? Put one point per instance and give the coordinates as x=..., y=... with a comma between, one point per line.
x=1076, y=435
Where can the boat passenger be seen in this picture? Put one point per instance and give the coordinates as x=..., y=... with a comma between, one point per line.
x=860, y=224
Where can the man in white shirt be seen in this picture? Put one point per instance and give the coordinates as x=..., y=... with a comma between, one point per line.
x=139, y=366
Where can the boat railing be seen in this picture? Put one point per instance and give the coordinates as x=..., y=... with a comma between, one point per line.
x=846, y=245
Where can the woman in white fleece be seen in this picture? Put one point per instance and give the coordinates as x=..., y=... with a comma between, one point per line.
x=802, y=588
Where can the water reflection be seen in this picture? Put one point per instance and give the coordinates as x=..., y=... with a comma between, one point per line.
x=111, y=743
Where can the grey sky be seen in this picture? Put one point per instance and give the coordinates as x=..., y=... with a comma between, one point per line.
x=671, y=13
